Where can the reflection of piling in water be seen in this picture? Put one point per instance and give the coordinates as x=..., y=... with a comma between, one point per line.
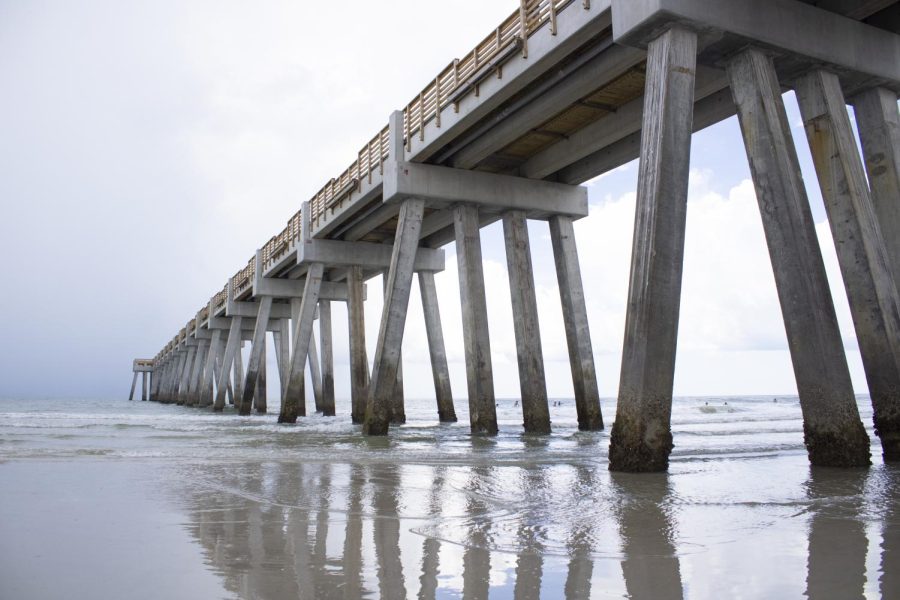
x=386, y=482
x=352, y=553
x=890, y=541
x=581, y=565
x=836, y=570
x=530, y=561
x=650, y=565
x=477, y=556
x=431, y=547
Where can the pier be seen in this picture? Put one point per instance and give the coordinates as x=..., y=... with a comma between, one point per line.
x=559, y=93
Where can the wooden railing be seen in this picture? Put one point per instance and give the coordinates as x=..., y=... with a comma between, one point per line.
x=460, y=78
x=243, y=279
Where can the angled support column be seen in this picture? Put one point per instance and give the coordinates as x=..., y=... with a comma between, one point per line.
x=256, y=352
x=833, y=432
x=532, y=383
x=575, y=323
x=315, y=374
x=327, y=358
x=861, y=249
x=133, y=385
x=441, y=373
x=145, y=388
x=183, y=387
x=282, y=340
x=176, y=377
x=197, y=373
x=641, y=437
x=398, y=409
x=878, y=122
x=383, y=386
x=359, y=363
x=206, y=389
x=234, y=339
x=291, y=405
x=479, y=373
x=260, y=395
x=238, y=374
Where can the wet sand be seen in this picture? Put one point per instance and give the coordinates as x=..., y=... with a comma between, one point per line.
x=102, y=510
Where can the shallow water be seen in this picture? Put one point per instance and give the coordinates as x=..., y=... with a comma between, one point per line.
x=119, y=499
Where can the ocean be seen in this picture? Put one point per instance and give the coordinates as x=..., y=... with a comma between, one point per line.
x=117, y=499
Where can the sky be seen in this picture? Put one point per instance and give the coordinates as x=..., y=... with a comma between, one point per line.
x=148, y=148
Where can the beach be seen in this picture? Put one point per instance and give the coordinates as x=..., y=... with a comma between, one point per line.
x=111, y=499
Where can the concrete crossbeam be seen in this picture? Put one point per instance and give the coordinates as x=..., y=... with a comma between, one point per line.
x=336, y=253
x=786, y=25
x=249, y=309
x=444, y=186
x=293, y=288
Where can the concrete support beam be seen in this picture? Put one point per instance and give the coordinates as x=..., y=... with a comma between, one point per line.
x=790, y=26
x=393, y=320
x=641, y=437
x=479, y=372
x=444, y=186
x=231, y=346
x=440, y=372
x=256, y=350
x=526, y=324
x=144, y=387
x=861, y=250
x=291, y=405
x=368, y=255
x=833, y=432
x=575, y=321
x=234, y=308
x=293, y=288
x=327, y=358
x=133, y=385
x=359, y=363
x=206, y=389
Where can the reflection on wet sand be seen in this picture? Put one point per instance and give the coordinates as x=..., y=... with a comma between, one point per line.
x=650, y=565
x=323, y=530
x=836, y=570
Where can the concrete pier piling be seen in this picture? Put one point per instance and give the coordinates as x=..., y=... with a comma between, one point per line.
x=231, y=346
x=476, y=338
x=398, y=408
x=327, y=358
x=833, y=432
x=861, y=249
x=383, y=385
x=260, y=395
x=359, y=363
x=575, y=322
x=437, y=351
x=257, y=348
x=133, y=385
x=144, y=387
x=535, y=408
x=641, y=438
x=878, y=122
x=315, y=374
x=292, y=404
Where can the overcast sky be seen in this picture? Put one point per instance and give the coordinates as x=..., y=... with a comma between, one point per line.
x=148, y=148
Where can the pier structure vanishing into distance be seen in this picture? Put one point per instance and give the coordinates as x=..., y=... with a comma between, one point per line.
x=561, y=92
